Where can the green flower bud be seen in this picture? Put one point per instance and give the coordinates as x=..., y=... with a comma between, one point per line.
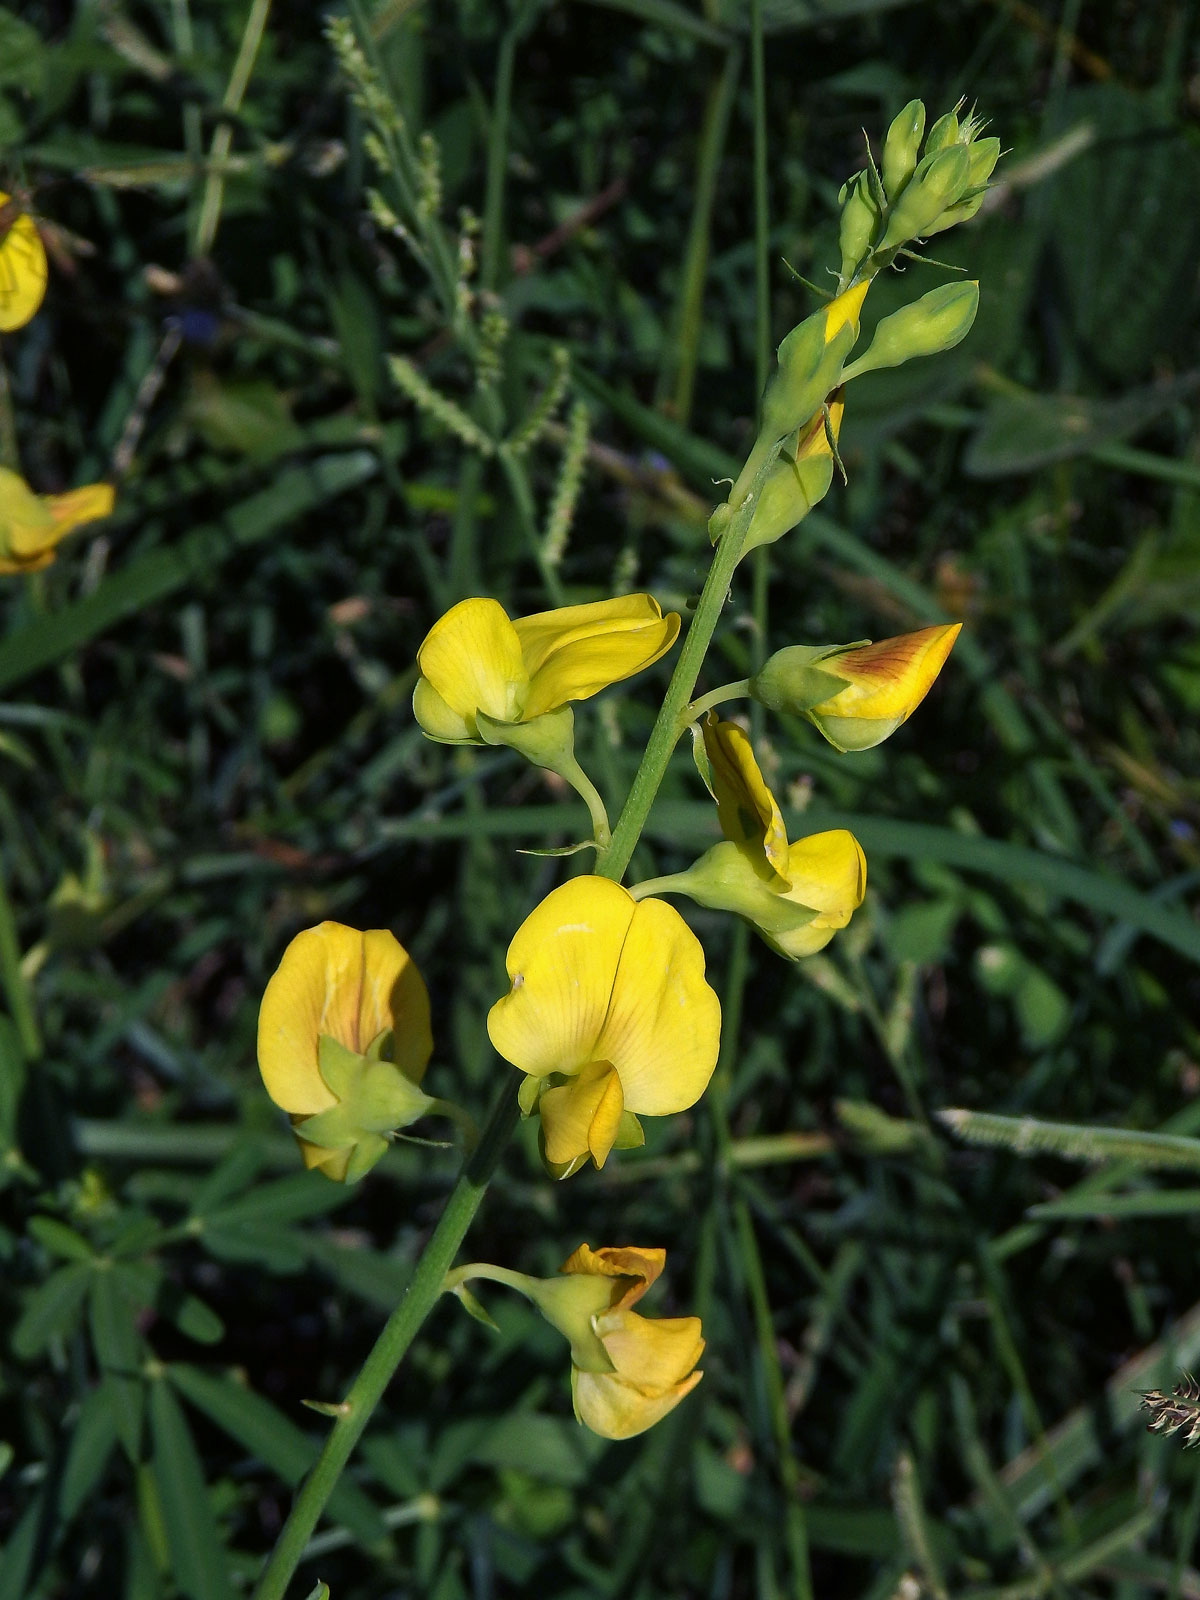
x=935, y=322
x=939, y=182
x=800, y=477
x=860, y=218
x=810, y=365
x=943, y=134
x=984, y=155
x=902, y=147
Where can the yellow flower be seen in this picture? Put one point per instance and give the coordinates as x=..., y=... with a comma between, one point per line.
x=796, y=895
x=651, y=1363
x=343, y=1042
x=32, y=525
x=609, y=1016
x=627, y=1371
x=856, y=695
x=475, y=660
x=23, y=269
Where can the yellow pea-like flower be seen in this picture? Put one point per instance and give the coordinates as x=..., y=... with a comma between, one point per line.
x=343, y=1042
x=652, y=1360
x=33, y=525
x=609, y=1016
x=477, y=660
x=23, y=268
x=627, y=1371
x=856, y=695
x=795, y=895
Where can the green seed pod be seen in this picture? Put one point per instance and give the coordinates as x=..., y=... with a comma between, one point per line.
x=902, y=147
x=860, y=218
x=935, y=322
x=939, y=182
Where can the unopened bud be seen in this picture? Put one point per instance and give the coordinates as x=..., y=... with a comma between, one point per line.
x=935, y=322
x=902, y=147
x=856, y=695
x=943, y=134
x=799, y=479
x=939, y=182
x=860, y=218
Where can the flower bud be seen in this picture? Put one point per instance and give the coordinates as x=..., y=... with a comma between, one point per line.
x=881, y=685
x=901, y=148
x=943, y=134
x=810, y=360
x=860, y=218
x=796, y=482
x=810, y=364
x=935, y=322
x=939, y=181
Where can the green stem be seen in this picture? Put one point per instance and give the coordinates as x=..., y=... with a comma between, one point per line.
x=389, y=1349
x=689, y=313
x=497, y=165
x=716, y=697
x=762, y=224
x=587, y=791
x=671, y=719
x=12, y=981
x=10, y=455
x=672, y=883
x=239, y=80
x=484, y=1269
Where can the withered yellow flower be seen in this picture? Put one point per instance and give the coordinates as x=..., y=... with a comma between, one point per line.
x=609, y=1016
x=795, y=895
x=475, y=660
x=856, y=695
x=627, y=1371
x=33, y=525
x=343, y=1043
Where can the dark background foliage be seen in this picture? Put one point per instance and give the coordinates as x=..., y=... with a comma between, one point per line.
x=918, y=1369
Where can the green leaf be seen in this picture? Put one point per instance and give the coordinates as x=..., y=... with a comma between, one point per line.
x=263, y=1430
x=475, y=1308
x=1022, y=434
x=278, y=1249
x=198, y=1560
x=22, y=54
x=294, y=1199
x=119, y=1351
x=51, y=1310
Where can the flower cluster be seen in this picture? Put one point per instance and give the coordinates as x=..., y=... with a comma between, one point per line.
x=609, y=1017
x=31, y=525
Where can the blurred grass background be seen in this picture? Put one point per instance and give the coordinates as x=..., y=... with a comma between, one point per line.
x=924, y=1355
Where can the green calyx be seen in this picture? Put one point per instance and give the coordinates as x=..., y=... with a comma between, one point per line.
x=374, y=1099
x=548, y=741
x=799, y=677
